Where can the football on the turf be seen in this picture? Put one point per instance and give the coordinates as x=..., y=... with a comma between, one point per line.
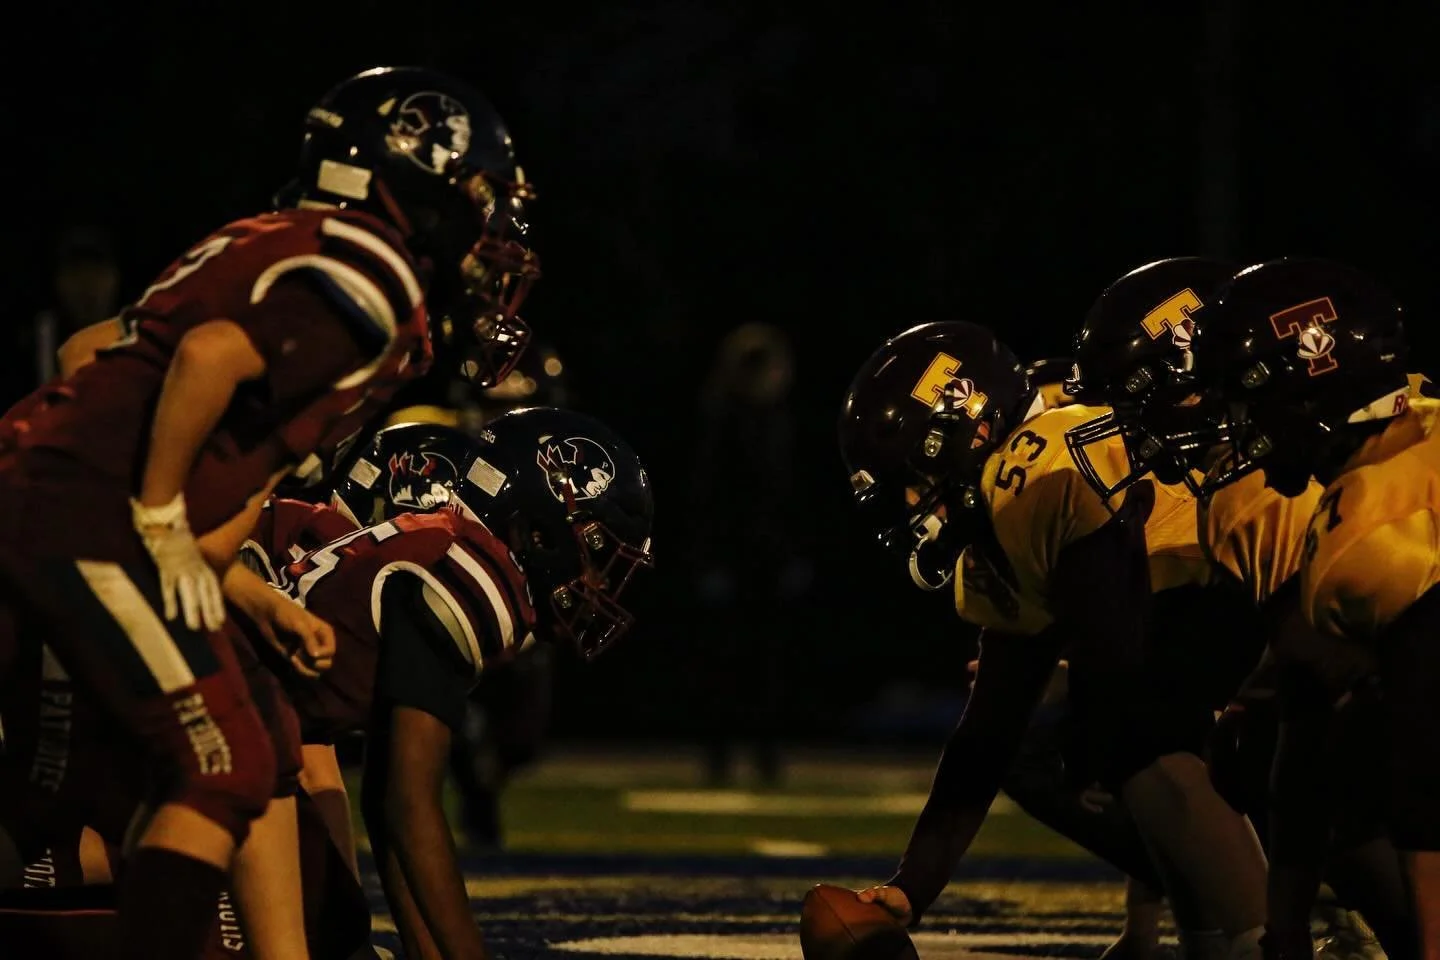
x=835, y=925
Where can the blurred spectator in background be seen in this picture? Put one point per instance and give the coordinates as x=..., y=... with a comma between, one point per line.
x=509, y=711
x=85, y=289
x=748, y=562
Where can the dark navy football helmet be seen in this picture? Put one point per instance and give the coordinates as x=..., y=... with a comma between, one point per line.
x=1310, y=357
x=568, y=496
x=406, y=468
x=919, y=421
x=1133, y=355
x=430, y=156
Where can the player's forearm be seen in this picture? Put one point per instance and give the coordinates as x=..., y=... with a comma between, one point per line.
x=1013, y=673
x=959, y=800
x=221, y=545
x=247, y=590
x=210, y=362
x=423, y=843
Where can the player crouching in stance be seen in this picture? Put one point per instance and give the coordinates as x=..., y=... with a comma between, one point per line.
x=946, y=442
x=1172, y=417
x=258, y=353
x=1305, y=362
x=547, y=504
x=472, y=550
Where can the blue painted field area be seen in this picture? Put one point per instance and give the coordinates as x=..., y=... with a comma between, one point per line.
x=747, y=908
x=630, y=857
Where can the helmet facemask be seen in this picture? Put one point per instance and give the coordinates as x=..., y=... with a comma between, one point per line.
x=1295, y=441
x=1163, y=422
x=478, y=304
x=930, y=514
x=1263, y=435
x=585, y=604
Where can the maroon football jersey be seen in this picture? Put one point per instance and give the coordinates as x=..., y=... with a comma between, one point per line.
x=328, y=298
x=473, y=584
x=286, y=531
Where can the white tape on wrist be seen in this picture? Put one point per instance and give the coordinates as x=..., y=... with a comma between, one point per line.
x=170, y=515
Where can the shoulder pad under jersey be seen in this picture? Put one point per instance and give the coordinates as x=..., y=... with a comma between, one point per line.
x=471, y=583
x=355, y=260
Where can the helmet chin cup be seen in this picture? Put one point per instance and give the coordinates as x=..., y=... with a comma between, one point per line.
x=927, y=574
x=929, y=563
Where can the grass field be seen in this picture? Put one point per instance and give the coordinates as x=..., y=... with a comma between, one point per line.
x=828, y=805
x=629, y=855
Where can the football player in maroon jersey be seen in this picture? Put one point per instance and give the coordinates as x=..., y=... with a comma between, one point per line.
x=468, y=534
x=534, y=531
x=259, y=353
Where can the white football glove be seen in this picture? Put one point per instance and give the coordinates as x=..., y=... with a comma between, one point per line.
x=184, y=574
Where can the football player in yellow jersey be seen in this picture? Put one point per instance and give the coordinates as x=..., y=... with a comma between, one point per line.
x=1045, y=779
x=1253, y=535
x=1311, y=359
x=947, y=447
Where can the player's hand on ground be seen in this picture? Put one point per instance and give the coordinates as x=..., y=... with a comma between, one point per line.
x=188, y=585
x=306, y=640
x=892, y=899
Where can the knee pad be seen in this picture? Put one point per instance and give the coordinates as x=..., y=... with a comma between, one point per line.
x=224, y=765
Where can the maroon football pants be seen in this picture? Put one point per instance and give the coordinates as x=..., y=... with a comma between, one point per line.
x=73, y=571
x=65, y=765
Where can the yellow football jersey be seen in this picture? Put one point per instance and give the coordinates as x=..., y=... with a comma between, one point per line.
x=1039, y=503
x=1256, y=535
x=1373, y=547
x=425, y=413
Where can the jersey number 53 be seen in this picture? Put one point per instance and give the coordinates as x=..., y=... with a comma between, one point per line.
x=1009, y=475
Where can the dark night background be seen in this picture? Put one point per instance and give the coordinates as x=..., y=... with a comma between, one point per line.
x=841, y=175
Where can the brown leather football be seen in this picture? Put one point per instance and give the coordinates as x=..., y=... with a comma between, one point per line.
x=835, y=925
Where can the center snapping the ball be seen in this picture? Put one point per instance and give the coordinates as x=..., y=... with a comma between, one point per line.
x=836, y=925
